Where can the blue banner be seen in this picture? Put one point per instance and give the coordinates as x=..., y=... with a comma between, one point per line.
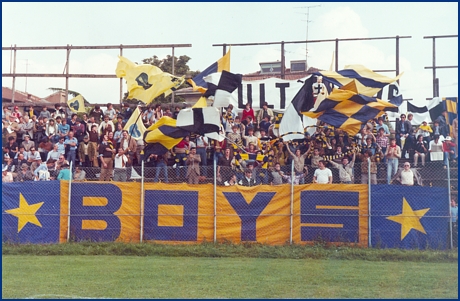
x=409, y=217
x=31, y=212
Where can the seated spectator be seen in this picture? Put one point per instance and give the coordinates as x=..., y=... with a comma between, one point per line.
x=54, y=153
x=61, y=162
x=64, y=173
x=425, y=130
x=79, y=175
x=52, y=130
x=33, y=158
x=407, y=176
x=44, y=147
x=421, y=150
x=436, y=152
x=232, y=181
x=7, y=176
x=17, y=162
x=25, y=174
x=27, y=143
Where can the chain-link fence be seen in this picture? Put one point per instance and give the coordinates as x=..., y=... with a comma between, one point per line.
x=384, y=205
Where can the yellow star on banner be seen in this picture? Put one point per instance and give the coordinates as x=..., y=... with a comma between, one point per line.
x=409, y=219
x=25, y=213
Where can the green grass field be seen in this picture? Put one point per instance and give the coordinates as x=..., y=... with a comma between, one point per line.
x=108, y=276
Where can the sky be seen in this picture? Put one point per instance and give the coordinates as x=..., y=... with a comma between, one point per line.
x=205, y=24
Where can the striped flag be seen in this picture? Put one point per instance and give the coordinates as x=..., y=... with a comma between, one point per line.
x=291, y=126
x=221, y=86
x=199, y=120
x=349, y=111
x=199, y=84
x=162, y=136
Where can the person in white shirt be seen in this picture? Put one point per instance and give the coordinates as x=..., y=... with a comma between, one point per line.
x=408, y=176
x=323, y=175
x=120, y=166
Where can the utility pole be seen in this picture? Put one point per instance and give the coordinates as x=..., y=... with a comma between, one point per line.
x=306, y=38
x=27, y=68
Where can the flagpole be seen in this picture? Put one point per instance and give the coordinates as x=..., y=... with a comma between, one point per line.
x=135, y=122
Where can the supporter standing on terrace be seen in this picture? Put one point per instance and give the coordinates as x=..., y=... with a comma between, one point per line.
x=248, y=111
x=299, y=163
x=86, y=152
x=120, y=166
x=106, y=152
x=323, y=175
x=224, y=166
x=365, y=167
x=392, y=156
x=193, y=166
x=345, y=169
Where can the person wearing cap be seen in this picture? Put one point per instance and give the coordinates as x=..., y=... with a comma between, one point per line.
x=16, y=112
x=27, y=143
x=24, y=174
x=64, y=173
x=448, y=147
x=86, y=152
x=7, y=176
x=425, y=130
x=407, y=176
x=265, y=111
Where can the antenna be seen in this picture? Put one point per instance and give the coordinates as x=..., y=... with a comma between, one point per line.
x=308, y=21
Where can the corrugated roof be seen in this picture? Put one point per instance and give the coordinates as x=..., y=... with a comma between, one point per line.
x=19, y=96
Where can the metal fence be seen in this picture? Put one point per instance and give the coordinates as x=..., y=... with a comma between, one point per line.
x=161, y=212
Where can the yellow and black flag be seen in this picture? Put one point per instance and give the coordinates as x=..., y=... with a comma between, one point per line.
x=77, y=104
x=146, y=82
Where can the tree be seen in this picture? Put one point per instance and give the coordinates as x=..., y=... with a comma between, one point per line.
x=180, y=68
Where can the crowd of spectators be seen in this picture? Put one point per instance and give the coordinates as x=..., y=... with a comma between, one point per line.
x=43, y=144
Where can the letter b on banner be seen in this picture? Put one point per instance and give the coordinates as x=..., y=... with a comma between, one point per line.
x=92, y=211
